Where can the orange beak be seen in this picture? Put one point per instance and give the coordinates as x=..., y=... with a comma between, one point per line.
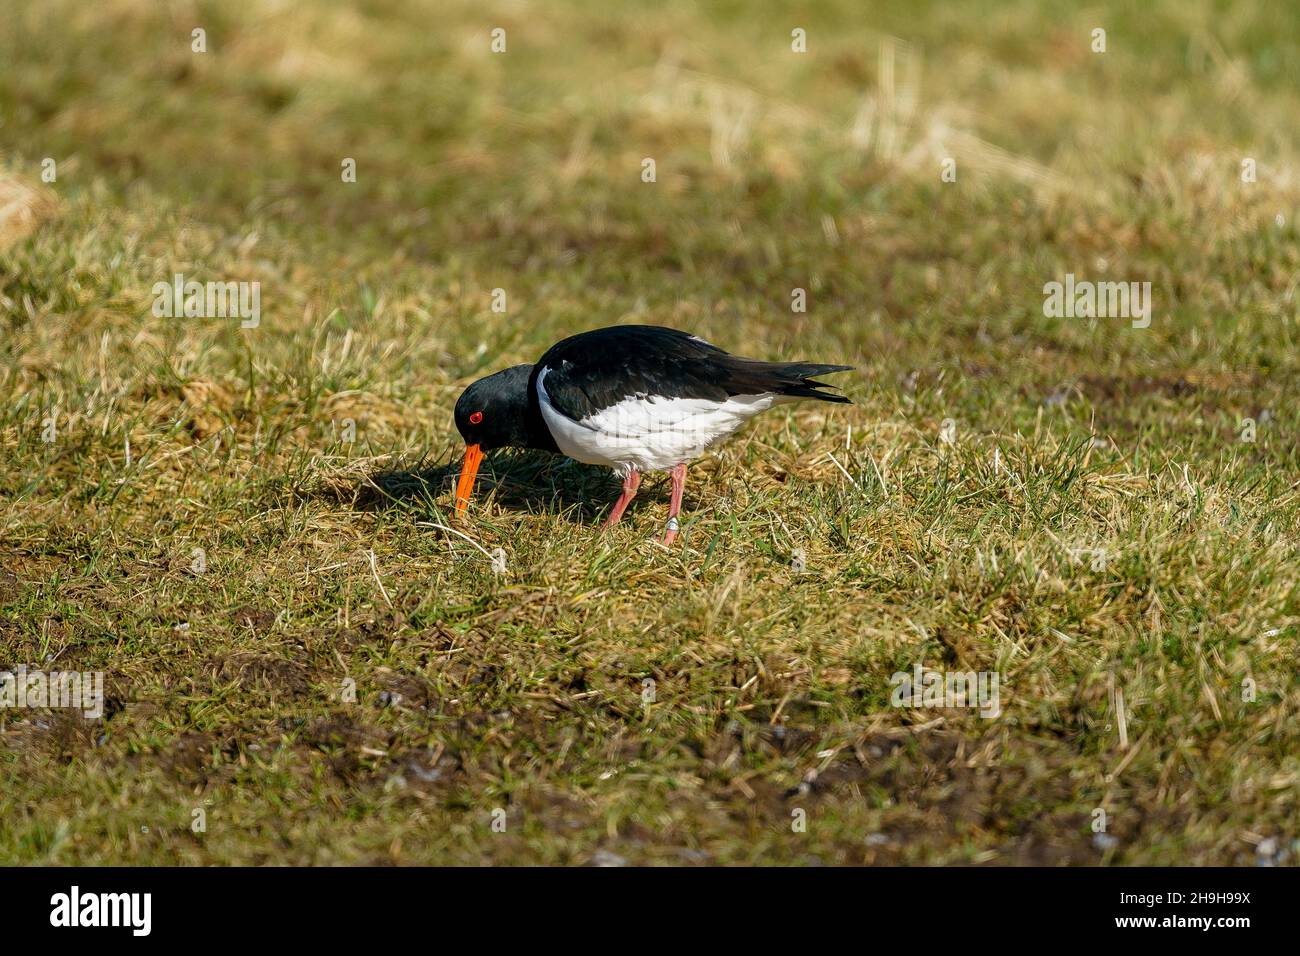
x=465, y=486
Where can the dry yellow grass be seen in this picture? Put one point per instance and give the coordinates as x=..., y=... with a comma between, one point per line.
x=181, y=508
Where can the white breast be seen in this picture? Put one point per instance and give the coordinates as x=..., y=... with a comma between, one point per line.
x=647, y=432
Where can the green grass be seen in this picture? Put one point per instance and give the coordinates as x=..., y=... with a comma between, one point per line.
x=525, y=692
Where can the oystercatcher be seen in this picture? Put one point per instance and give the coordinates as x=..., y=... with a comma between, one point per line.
x=634, y=398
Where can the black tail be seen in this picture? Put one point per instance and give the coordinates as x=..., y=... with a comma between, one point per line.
x=796, y=380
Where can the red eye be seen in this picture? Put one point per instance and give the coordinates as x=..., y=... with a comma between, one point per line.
x=475, y=418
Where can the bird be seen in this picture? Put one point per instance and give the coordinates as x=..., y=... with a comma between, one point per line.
x=633, y=398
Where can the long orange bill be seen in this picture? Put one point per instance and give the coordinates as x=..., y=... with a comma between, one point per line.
x=465, y=487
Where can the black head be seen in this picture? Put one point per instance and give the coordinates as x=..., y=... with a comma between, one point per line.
x=494, y=411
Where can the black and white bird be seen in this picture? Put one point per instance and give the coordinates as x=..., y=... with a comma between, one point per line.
x=634, y=398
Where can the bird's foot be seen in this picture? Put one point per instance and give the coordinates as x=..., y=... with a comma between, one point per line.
x=671, y=533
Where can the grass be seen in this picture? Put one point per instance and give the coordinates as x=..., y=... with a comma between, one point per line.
x=1097, y=530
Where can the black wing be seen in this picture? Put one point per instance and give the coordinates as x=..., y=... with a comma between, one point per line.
x=594, y=370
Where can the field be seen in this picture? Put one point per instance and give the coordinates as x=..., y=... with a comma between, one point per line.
x=307, y=659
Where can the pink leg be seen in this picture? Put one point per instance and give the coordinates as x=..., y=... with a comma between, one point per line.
x=675, y=505
x=630, y=484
